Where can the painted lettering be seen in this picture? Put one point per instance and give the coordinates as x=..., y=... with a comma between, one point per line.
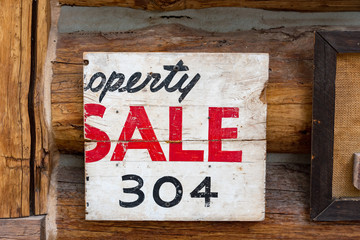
x=109, y=86
x=103, y=142
x=216, y=134
x=138, y=118
x=176, y=153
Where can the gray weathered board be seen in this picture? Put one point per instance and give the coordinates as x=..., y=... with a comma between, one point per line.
x=175, y=136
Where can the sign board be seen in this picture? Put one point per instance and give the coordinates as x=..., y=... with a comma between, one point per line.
x=175, y=136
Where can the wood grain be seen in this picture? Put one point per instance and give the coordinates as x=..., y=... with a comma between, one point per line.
x=350, y=45
x=287, y=214
x=170, y=5
x=323, y=126
x=356, y=170
x=324, y=205
x=218, y=84
x=289, y=88
x=15, y=67
x=29, y=228
x=40, y=139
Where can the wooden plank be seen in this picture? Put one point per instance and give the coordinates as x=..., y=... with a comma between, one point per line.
x=287, y=5
x=202, y=129
x=41, y=155
x=343, y=41
x=289, y=88
x=323, y=126
x=341, y=209
x=287, y=213
x=15, y=66
x=356, y=170
x=29, y=228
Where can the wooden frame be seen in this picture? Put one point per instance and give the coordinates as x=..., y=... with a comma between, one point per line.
x=324, y=207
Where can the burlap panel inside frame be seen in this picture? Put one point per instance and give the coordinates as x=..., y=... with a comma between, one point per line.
x=347, y=124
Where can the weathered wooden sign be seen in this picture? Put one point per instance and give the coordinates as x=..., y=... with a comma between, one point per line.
x=175, y=136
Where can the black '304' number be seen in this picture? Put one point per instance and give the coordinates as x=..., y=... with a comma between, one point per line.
x=206, y=183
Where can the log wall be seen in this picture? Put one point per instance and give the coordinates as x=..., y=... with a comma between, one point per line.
x=25, y=147
x=286, y=217
x=166, y=5
x=288, y=94
x=289, y=98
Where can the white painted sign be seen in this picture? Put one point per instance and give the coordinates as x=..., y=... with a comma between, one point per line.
x=175, y=136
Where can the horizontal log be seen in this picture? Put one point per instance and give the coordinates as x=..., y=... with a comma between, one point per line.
x=287, y=213
x=29, y=228
x=166, y=5
x=288, y=93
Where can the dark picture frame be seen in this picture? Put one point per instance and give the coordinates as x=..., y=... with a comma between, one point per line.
x=324, y=207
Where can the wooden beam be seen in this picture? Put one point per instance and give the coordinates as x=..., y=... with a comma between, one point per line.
x=287, y=213
x=167, y=5
x=41, y=155
x=29, y=228
x=15, y=143
x=288, y=94
x=24, y=162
